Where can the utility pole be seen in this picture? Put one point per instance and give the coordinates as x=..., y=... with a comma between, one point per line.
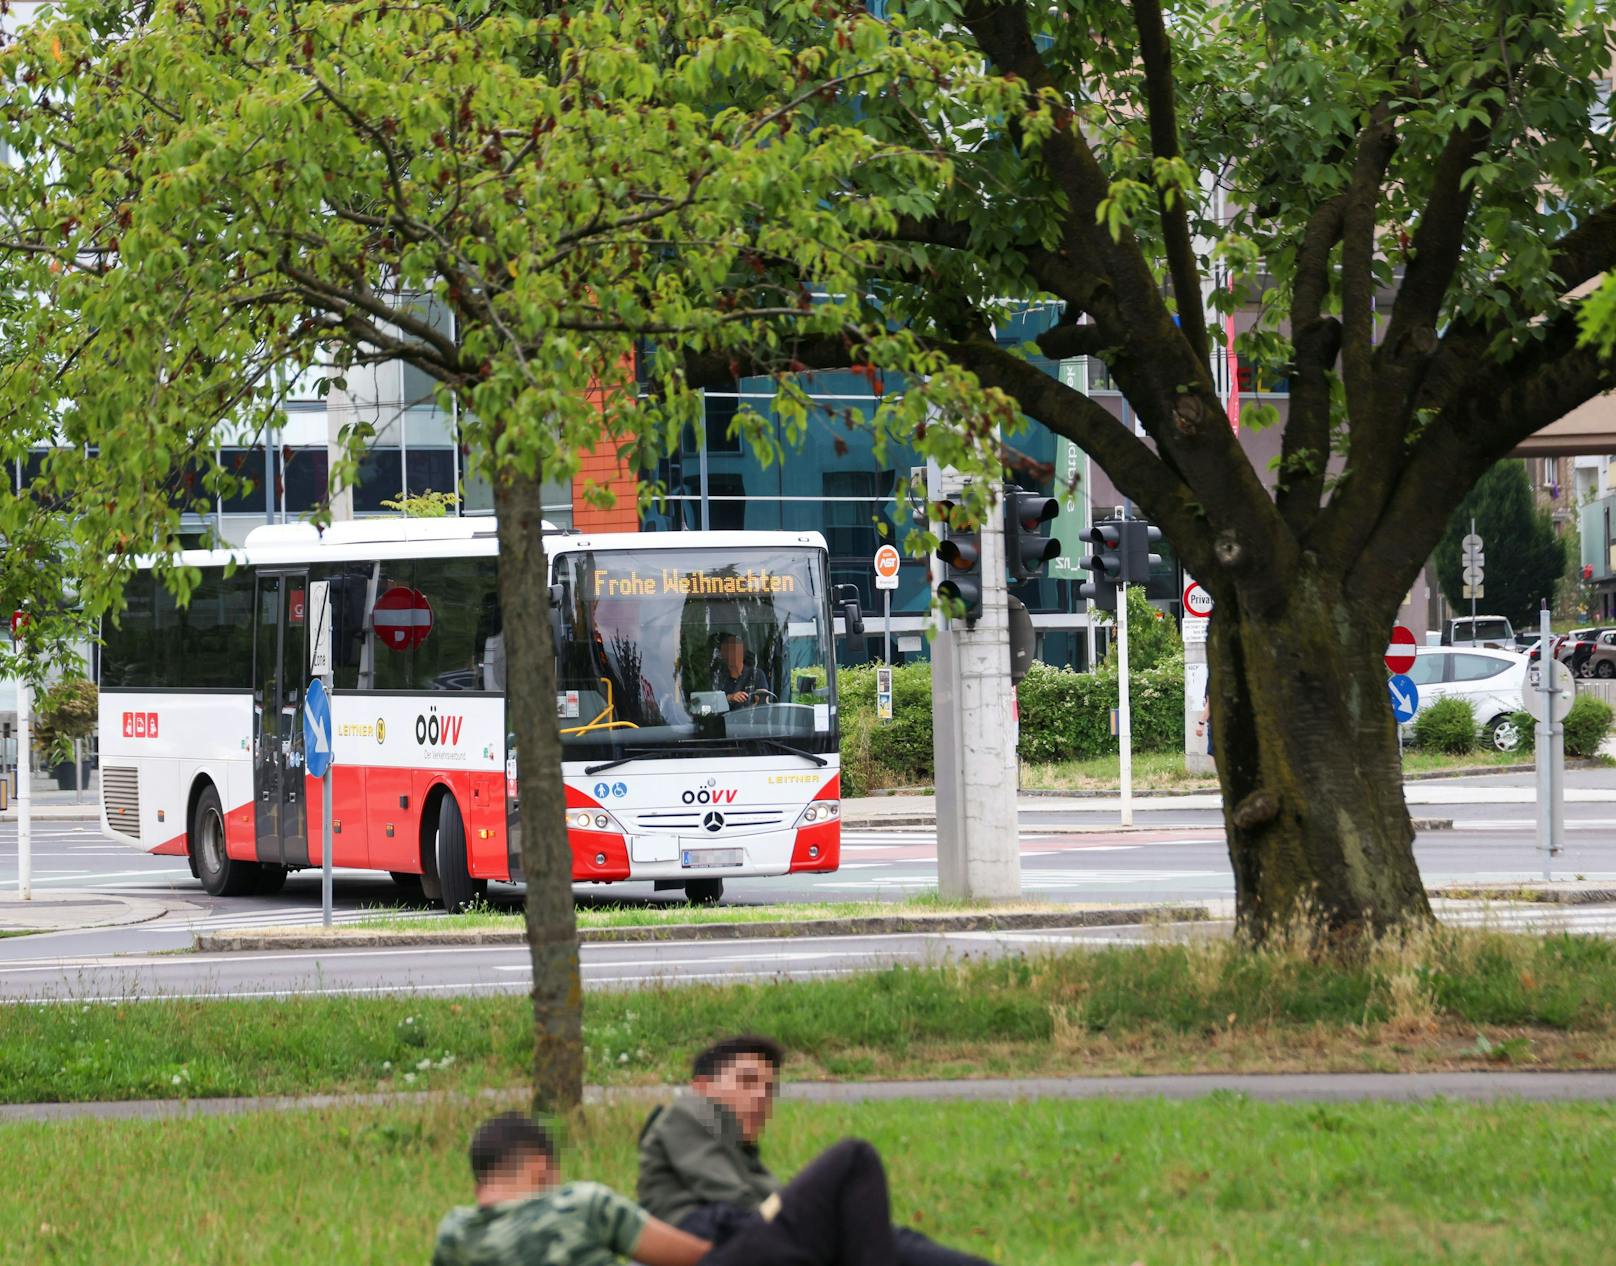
x=978, y=844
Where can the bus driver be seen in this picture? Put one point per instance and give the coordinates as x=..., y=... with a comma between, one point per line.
x=740, y=682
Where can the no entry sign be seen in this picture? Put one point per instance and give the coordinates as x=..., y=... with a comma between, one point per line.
x=402, y=618
x=1400, y=650
x=1197, y=601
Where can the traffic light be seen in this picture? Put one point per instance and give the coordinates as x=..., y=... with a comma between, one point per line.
x=961, y=552
x=1105, y=562
x=1026, y=548
x=1137, y=560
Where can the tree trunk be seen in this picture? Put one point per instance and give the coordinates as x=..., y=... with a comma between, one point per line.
x=1307, y=755
x=530, y=714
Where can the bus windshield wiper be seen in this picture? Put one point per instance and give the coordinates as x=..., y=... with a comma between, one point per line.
x=778, y=746
x=634, y=754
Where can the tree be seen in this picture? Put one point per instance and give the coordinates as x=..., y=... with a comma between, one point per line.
x=1413, y=195
x=1525, y=560
x=210, y=193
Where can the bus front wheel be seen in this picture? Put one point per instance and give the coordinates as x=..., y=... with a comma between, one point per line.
x=457, y=887
x=221, y=874
x=704, y=892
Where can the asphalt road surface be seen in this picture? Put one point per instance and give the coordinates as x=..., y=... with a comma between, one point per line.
x=1180, y=857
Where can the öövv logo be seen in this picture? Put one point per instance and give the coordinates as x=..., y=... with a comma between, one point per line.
x=710, y=793
x=431, y=730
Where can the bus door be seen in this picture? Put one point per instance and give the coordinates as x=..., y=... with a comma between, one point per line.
x=280, y=673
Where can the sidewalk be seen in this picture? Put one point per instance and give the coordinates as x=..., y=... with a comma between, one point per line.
x=1555, y=1087
x=49, y=802
x=75, y=910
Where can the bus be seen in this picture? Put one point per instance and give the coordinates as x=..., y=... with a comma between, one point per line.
x=695, y=691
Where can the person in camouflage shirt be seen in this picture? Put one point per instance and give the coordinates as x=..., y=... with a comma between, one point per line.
x=523, y=1218
x=834, y=1213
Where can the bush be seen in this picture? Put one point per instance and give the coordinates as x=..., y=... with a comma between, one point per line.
x=1065, y=715
x=1586, y=725
x=896, y=753
x=1448, y=725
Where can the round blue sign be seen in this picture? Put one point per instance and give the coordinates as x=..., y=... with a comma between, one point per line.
x=1405, y=697
x=316, y=729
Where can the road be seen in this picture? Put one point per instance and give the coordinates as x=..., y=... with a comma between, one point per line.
x=1180, y=856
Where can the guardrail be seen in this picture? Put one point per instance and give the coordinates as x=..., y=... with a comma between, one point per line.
x=1605, y=690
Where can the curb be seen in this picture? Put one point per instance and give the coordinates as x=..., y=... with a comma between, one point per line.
x=1546, y=896
x=876, y=925
x=892, y=820
x=1475, y=771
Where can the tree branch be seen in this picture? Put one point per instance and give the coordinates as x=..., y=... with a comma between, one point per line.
x=1060, y=342
x=1156, y=51
x=1373, y=153
x=1305, y=450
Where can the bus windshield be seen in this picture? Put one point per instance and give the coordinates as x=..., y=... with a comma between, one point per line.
x=671, y=653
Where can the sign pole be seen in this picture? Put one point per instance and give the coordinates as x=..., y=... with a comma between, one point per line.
x=318, y=731
x=886, y=626
x=1545, y=739
x=1124, y=712
x=25, y=792
x=325, y=837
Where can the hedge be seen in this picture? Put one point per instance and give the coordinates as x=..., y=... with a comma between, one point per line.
x=1065, y=715
x=1586, y=727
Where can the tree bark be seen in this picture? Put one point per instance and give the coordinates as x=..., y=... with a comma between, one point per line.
x=1307, y=757
x=552, y=930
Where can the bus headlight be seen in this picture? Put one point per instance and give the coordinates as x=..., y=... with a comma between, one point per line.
x=593, y=820
x=820, y=811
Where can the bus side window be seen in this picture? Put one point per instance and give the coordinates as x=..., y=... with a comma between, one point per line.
x=466, y=630
x=350, y=588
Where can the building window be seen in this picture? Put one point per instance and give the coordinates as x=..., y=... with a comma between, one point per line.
x=380, y=479
x=305, y=479
x=430, y=470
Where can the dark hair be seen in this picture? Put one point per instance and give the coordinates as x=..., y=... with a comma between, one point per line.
x=500, y=1140
x=724, y=639
x=720, y=1055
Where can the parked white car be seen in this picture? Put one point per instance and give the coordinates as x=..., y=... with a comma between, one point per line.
x=1489, y=680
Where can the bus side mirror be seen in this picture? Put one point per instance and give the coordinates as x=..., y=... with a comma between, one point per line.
x=556, y=598
x=852, y=613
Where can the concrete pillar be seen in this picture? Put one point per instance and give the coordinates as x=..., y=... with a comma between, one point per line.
x=978, y=845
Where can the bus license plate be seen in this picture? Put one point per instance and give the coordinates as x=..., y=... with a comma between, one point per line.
x=696, y=858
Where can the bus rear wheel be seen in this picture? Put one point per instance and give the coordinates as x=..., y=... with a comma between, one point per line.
x=455, y=883
x=221, y=874
x=704, y=892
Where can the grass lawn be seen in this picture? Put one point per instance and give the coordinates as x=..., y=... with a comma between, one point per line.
x=656, y=913
x=1444, y=998
x=1164, y=771
x=1043, y=1184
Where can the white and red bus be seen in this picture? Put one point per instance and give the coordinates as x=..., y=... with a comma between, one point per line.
x=696, y=691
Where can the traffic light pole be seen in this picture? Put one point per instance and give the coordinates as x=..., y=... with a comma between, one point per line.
x=1124, y=711
x=978, y=844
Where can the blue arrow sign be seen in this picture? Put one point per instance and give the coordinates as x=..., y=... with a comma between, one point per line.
x=317, y=729
x=1405, y=696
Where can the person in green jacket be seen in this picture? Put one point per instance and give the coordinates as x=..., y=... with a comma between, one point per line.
x=834, y=1213
x=701, y=1169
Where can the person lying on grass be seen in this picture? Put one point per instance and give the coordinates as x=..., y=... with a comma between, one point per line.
x=835, y=1213
x=700, y=1165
